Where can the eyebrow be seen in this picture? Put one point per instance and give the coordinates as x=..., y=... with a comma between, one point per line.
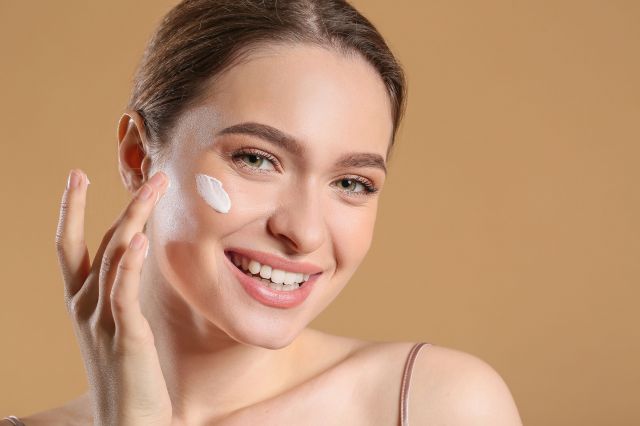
x=281, y=139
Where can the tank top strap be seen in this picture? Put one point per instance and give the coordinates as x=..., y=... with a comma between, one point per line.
x=406, y=381
x=14, y=421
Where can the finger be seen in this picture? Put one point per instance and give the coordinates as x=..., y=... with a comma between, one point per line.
x=71, y=248
x=131, y=220
x=125, y=305
x=87, y=296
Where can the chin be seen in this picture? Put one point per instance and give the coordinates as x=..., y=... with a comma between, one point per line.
x=266, y=335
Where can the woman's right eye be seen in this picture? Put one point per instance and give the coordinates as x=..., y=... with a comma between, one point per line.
x=254, y=161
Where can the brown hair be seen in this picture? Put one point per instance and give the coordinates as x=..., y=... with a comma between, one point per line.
x=199, y=39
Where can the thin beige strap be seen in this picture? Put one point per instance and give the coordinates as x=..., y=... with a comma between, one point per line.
x=14, y=421
x=406, y=381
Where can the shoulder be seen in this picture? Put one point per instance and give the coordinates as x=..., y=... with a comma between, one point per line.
x=76, y=412
x=459, y=389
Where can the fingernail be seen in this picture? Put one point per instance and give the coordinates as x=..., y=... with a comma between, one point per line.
x=88, y=181
x=73, y=180
x=146, y=252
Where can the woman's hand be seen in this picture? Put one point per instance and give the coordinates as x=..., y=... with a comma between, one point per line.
x=117, y=345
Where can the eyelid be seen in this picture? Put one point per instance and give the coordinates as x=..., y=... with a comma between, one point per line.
x=369, y=187
x=258, y=152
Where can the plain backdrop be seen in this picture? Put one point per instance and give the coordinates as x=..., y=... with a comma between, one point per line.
x=508, y=228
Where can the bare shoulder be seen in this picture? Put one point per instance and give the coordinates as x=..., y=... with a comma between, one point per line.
x=452, y=387
x=76, y=412
x=447, y=387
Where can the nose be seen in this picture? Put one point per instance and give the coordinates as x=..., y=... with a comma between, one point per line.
x=298, y=221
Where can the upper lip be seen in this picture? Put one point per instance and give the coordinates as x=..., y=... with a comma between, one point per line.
x=277, y=262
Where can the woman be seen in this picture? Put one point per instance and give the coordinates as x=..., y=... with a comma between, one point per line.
x=256, y=142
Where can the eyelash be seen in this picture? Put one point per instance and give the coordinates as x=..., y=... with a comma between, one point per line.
x=251, y=151
x=369, y=188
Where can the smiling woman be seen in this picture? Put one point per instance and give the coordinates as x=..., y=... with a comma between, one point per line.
x=289, y=109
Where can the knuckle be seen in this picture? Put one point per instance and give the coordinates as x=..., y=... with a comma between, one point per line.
x=79, y=304
x=112, y=255
x=61, y=243
x=73, y=307
x=64, y=242
x=112, y=261
x=118, y=304
x=126, y=265
x=64, y=207
x=107, y=262
x=76, y=308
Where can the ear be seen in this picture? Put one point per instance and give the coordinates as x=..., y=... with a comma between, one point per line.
x=134, y=161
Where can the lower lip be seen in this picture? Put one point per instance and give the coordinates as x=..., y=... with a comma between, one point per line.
x=269, y=297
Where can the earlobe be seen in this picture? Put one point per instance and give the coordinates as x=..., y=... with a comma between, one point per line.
x=132, y=156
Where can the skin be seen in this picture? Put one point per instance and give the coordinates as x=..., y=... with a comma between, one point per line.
x=177, y=340
x=195, y=304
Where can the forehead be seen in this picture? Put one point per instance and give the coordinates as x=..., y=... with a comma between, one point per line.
x=323, y=98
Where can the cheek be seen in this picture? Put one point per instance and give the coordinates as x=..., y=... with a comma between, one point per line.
x=351, y=232
x=187, y=231
x=186, y=211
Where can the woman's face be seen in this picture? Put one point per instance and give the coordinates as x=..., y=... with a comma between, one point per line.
x=301, y=198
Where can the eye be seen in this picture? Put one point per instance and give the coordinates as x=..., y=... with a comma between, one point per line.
x=356, y=186
x=254, y=160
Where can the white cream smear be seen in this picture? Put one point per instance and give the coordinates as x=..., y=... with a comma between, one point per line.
x=210, y=189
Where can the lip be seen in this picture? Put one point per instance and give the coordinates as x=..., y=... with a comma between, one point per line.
x=277, y=262
x=268, y=296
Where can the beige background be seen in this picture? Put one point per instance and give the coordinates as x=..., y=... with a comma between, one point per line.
x=509, y=227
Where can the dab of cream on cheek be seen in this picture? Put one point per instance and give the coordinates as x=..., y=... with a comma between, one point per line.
x=210, y=189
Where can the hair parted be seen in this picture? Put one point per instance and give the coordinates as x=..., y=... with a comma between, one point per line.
x=199, y=39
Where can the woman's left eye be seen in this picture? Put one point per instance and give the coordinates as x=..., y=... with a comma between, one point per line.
x=355, y=186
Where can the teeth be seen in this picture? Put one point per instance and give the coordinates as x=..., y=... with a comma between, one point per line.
x=275, y=278
x=289, y=277
x=274, y=286
x=265, y=271
x=254, y=267
x=283, y=287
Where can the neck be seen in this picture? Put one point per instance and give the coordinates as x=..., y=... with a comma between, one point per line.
x=208, y=374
